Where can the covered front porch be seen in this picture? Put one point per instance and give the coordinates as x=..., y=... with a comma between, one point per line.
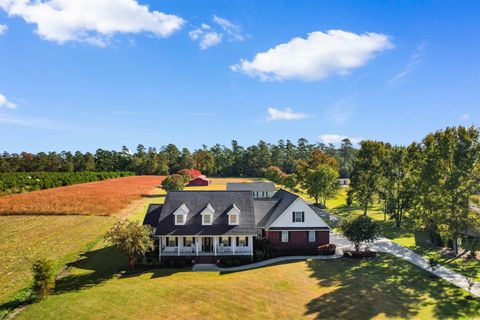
x=205, y=245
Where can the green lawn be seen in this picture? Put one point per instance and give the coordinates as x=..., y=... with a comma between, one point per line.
x=382, y=288
x=406, y=235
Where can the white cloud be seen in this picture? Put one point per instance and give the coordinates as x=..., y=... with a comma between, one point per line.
x=4, y=102
x=319, y=56
x=286, y=114
x=3, y=28
x=464, y=117
x=336, y=139
x=91, y=21
x=209, y=36
x=415, y=59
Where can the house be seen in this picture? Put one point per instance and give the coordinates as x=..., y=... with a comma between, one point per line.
x=199, y=181
x=344, y=182
x=218, y=223
x=259, y=189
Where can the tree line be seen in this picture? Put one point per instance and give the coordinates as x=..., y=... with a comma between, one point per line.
x=433, y=182
x=218, y=160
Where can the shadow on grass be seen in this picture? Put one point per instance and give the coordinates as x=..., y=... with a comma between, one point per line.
x=384, y=286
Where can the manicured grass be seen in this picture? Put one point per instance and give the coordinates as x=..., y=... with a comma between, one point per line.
x=385, y=287
x=406, y=235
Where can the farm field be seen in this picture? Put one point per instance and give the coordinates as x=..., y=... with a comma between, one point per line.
x=45, y=226
x=383, y=288
x=102, y=198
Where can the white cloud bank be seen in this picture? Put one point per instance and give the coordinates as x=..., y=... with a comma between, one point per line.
x=208, y=36
x=92, y=21
x=336, y=139
x=3, y=28
x=286, y=114
x=4, y=102
x=319, y=56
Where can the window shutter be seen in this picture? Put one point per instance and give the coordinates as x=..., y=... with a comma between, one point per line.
x=176, y=241
x=303, y=216
x=280, y=235
x=237, y=241
x=293, y=216
x=229, y=241
x=219, y=240
x=168, y=243
x=246, y=241
x=288, y=236
x=308, y=236
x=194, y=240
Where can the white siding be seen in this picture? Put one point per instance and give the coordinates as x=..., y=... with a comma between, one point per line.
x=311, y=218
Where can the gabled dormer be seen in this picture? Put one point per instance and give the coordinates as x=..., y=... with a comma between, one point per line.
x=233, y=215
x=207, y=215
x=181, y=215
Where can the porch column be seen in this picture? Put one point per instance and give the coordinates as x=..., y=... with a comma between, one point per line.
x=250, y=244
x=234, y=244
x=159, y=248
x=215, y=245
x=196, y=245
x=178, y=246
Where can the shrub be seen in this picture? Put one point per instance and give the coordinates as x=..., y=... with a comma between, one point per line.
x=359, y=254
x=273, y=173
x=295, y=251
x=189, y=173
x=326, y=249
x=173, y=182
x=236, y=262
x=360, y=230
x=259, y=255
x=181, y=263
x=43, y=277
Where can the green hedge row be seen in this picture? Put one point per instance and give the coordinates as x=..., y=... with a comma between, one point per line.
x=30, y=181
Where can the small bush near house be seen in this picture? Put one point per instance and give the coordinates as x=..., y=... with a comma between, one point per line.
x=326, y=249
x=359, y=254
x=43, y=277
x=229, y=261
x=296, y=251
x=177, y=262
x=259, y=255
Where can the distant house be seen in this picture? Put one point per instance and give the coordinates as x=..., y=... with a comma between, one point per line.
x=344, y=182
x=206, y=224
x=199, y=181
x=259, y=189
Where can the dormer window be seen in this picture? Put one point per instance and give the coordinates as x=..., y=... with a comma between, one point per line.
x=181, y=214
x=233, y=215
x=207, y=215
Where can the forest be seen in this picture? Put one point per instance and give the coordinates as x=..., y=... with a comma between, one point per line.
x=218, y=160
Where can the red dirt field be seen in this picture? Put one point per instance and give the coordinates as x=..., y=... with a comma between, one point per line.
x=103, y=198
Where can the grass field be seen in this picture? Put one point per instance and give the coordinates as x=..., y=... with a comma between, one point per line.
x=406, y=235
x=26, y=237
x=382, y=288
x=106, y=197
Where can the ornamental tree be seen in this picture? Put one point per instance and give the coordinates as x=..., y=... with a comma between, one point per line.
x=173, y=182
x=360, y=230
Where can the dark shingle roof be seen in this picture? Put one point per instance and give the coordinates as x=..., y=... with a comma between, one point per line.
x=283, y=200
x=251, y=186
x=196, y=201
x=153, y=215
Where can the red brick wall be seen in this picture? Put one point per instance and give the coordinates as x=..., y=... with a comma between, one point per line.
x=297, y=238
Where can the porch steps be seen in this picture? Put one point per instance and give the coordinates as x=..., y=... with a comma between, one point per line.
x=205, y=260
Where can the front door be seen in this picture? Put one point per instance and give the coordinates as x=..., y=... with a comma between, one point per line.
x=207, y=245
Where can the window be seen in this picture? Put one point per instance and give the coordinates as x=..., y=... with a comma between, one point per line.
x=284, y=236
x=242, y=241
x=180, y=219
x=298, y=216
x=311, y=236
x=233, y=219
x=207, y=219
x=187, y=241
x=171, y=242
x=224, y=241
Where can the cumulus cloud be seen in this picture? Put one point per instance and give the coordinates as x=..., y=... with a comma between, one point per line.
x=4, y=102
x=336, y=139
x=286, y=114
x=3, y=28
x=211, y=35
x=91, y=21
x=319, y=56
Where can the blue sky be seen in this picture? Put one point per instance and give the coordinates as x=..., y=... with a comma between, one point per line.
x=77, y=76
